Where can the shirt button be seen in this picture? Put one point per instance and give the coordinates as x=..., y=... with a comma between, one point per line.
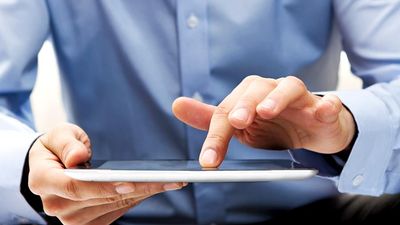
x=197, y=96
x=357, y=180
x=192, y=22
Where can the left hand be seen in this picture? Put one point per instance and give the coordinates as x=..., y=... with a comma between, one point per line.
x=80, y=202
x=270, y=114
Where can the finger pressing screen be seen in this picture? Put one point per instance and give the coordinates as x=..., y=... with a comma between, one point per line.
x=220, y=131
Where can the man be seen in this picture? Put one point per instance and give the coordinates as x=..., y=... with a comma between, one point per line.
x=123, y=64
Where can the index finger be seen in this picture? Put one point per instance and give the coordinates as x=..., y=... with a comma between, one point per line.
x=221, y=131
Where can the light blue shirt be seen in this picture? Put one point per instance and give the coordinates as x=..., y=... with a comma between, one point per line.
x=124, y=62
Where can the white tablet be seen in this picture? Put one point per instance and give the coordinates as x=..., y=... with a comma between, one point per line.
x=190, y=171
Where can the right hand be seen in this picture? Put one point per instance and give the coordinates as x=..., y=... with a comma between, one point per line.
x=79, y=202
x=269, y=114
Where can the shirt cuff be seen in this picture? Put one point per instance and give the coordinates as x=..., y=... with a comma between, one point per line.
x=14, y=208
x=326, y=165
x=364, y=171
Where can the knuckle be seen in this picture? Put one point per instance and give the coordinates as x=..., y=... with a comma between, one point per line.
x=250, y=78
x=60, y=131
x=84, y=138
x=71, y=190
x=334, y=98
x=52, y=208
x=34, y=184
x=125, y=203
x=80, y=133
x=147, y=190
x=216, y=138
x=74, y=127
x=65, y=149
x=335, y=101
x=221, y=111
x=104, y=190
x=299, y=84
x=113, y=199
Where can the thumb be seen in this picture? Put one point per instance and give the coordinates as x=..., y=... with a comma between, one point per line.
x=193, y=113
x=69, y=143
x=328, y=108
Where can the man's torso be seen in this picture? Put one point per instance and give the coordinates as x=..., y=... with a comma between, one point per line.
x=124, y=62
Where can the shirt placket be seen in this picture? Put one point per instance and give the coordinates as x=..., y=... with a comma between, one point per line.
x=192, y=27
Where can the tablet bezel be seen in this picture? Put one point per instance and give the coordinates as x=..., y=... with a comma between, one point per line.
x=274, y=170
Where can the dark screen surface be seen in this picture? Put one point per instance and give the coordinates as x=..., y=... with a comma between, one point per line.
x=193, y=165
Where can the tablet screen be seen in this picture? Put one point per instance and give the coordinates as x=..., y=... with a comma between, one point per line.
x=193, y=165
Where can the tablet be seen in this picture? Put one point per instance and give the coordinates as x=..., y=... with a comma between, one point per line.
x=190, y=171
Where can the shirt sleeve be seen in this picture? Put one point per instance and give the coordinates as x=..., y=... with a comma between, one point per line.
x=24, y=26
x=372, y=167
x=15, y=139
x=370, y=37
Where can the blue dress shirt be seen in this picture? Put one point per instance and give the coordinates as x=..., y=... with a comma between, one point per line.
x=124, y=62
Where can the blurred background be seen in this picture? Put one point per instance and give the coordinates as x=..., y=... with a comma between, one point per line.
x=46, y=97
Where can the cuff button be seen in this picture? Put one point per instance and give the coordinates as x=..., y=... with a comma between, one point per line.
x=357, y=180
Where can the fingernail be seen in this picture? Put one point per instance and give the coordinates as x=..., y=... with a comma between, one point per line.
x=185, y=184
x=268, y=104
x=209, y=157
x=241, y=114
x=124, y=189
x=171, y=186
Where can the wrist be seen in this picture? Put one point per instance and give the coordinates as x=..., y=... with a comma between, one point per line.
x=33, y=200
x=352, y=134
